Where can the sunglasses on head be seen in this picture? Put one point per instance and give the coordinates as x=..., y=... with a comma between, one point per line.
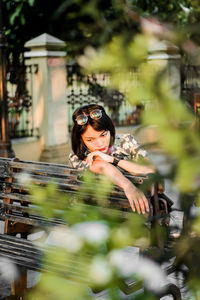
x=94, y=114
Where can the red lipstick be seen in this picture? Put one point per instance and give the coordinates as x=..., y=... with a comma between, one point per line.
x=102, y=149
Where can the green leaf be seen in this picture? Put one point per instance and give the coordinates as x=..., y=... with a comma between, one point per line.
x=15, y=14
x=188, y=168
x=22, y=19
x=31, y=2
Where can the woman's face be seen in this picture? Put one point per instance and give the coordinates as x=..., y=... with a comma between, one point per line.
x=96, y=140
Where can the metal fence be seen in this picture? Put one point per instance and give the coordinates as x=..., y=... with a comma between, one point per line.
x=94, y=88
x=20, y=106
x=190, y=84
x=81, y=90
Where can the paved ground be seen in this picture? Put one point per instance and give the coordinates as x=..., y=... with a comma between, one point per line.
x=161, y=163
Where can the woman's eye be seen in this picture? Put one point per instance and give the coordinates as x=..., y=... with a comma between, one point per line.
x=105, y=133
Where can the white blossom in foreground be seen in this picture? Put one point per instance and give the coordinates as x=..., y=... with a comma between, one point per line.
x=7, y=269
x=94, y=232
x=24, y=178
x=62, y=236
x=127, y=264
x=100, y=272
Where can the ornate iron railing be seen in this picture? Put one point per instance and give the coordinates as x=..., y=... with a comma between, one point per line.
x=20, y=106
x=94, y=88
x=190, y=83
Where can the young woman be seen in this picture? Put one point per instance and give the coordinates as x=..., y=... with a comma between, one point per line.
x=95, y=147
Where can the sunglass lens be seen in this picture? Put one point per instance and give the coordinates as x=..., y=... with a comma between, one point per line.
x=96, y=114
x=81, y=119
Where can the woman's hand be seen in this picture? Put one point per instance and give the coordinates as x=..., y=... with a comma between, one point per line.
x=137, y=199
x=98, y=155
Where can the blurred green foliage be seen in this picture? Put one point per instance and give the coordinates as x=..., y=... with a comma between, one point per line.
x=172, y=118
x=79, y=254
x=92, y=22
x=114, y=37
x=177, y=127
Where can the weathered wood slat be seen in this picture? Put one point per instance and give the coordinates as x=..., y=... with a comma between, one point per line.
x=16, y=214
x=44, y=168
x=64, y=185
x=31, y=220
x=16, y=197
x=49, y=168
x=30, y=255
x=116, y=198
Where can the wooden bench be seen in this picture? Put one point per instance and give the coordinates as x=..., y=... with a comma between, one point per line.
x=17, y=208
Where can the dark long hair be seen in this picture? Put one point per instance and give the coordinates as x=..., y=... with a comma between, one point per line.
x=104, y=123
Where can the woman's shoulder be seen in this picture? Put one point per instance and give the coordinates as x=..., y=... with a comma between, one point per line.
x=128, y=144
x=76, y=162
x=125, y=138
x=122, y=144
x=73, y=158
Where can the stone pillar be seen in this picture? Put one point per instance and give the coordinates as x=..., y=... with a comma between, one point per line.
x=49, y=95
x=168, y=55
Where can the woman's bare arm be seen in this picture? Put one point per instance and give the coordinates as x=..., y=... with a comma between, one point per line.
x=129, y=166
x=137, y=199
x=135, y=168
